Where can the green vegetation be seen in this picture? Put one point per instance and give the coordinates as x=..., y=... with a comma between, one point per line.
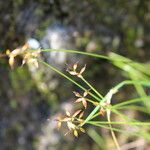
x=113, y=89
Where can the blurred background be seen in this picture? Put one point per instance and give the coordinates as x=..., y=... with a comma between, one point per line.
x=31, y=98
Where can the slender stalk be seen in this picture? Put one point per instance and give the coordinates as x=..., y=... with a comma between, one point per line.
x=77, y=52
x=84, y=80
x=130, y=82
x=91, y=115
x=110, y=94
x=133, y=107
x=94, y=116
x=107, y=127
x=112, y=132
x=65, y=76
x=91, y=101
x=128, y=102
x=121, y=123
x=106, y=98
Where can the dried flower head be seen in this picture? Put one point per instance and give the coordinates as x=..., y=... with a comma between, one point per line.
x=28, y=56
x=73, y=70
x=81, y=98
x=73, y=122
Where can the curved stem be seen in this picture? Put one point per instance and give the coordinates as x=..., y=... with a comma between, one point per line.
x=77, y=52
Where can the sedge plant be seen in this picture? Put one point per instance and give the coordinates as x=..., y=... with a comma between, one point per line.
x=138, y=77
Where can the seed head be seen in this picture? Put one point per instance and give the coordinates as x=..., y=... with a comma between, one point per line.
x=73, y=70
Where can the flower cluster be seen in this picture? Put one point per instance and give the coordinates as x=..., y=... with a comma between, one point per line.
x=73, y=70
x=81, y=98
x=28, y=56
x=73, y=122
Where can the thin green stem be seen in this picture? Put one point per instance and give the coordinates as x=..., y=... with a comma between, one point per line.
x=130, y=82
x=91, y=101
x=77, y=52
x=121, y=123
x=133, y=107
x=91, y=115
x=65, y=76
x=107, y=97
x=84, y=80
x=128, y=102
x=94, y=116
x=110, y=93
x=112, y=132
x=107, y=127
x=136, y=133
